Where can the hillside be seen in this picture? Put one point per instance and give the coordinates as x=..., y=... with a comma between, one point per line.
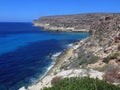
x=97, y=56
x=104, y=38
x=78, y=22
x=99, y=50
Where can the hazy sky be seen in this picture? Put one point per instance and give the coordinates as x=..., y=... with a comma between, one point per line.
x=27, y=10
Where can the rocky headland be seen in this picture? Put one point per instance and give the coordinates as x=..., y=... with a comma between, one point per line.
x=96, y=56
x=76, y=23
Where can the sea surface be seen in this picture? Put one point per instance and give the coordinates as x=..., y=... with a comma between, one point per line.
x=24, y=51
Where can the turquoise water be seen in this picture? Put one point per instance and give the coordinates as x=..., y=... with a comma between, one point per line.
x=13, y=41
x=24, y=51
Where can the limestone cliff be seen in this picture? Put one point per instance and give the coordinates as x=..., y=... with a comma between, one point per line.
x=102, y=46
x=104, y=29
x=78, y=22
x=104, y=40
x=100, y=51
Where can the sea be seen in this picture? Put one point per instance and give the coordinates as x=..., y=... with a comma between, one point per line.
x=24, y=52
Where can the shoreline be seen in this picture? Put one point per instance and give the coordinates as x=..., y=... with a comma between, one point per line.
x=64, y=56
x=48, y=69
x=101, y=45
x=56, y=72
x=51, y=69
x=58, y=60
x=60, y=29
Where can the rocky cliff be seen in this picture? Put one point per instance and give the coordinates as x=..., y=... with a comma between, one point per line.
x=104, y=40
x=78, y=22
x=100, y=51
x=102, y=46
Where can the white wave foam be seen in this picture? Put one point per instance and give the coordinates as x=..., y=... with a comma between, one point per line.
x=70, y=45
x=34, y=81
x=54, y=56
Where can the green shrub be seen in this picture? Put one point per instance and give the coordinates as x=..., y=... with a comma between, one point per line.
x=87, y=59
x=84, y=83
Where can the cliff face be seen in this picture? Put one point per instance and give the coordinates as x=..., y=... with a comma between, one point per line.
x=100, y=51
x=79, y=22
x=105, y=30
x=104, y=42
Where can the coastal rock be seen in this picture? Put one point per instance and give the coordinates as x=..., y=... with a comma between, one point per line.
x=78, y=22
x=104, y=32
x=102, y=39
x=46, y=82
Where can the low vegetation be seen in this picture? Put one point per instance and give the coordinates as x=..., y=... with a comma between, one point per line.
x=110, y=57
x=85, y=83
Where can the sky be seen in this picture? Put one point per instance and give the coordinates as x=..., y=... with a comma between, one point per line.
x=28, y=10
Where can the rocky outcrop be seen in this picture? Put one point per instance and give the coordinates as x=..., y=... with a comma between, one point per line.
x=79, y=22
x=104, y=29
x=103, y=41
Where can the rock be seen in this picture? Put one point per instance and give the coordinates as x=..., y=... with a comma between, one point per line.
x=98, y=64
x=78, y=22
x=113, y=62
x=49, y=55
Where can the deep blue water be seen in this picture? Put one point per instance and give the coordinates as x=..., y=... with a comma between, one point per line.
x=24, y=50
